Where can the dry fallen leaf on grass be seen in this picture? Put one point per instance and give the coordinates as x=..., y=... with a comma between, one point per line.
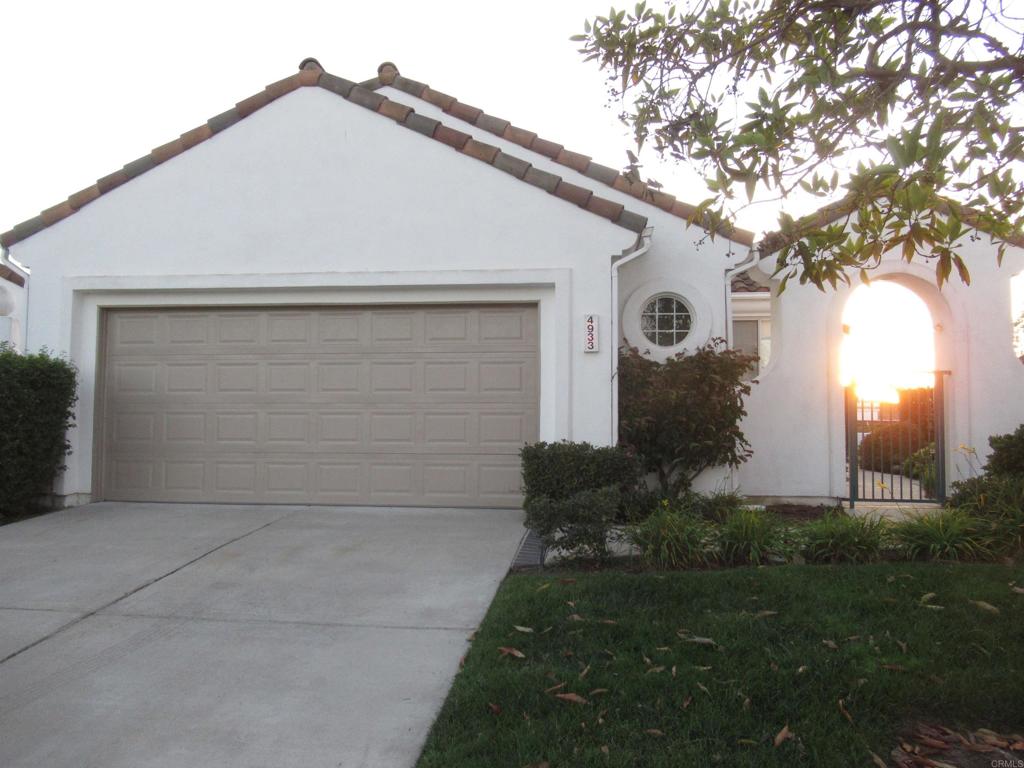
x=902, y=645
x=894, y=667
x=927, y=597
x=567, y=581
x=554, y=688
x=765, y=614
x=654, y=732
x=604, y=749
x=655, y=670
x=984, y=606
x=506, y=650
x=704, y=688
x=542, y=587
x=525, y=630
x=878, y=761
x=608, y=621
x=598, y=691
x=800, y=670
x=572, y=698
x=495, y=709
x=585, y=672
x=830, y=644
x=575, y=617
x=843, y=710
x=687, y=701
x=1018, y=590
x=782, y=735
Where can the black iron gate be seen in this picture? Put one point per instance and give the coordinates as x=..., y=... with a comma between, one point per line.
x=897, y=451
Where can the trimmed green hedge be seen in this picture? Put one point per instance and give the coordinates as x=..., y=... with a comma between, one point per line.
x=37, y=395
x=561, y=470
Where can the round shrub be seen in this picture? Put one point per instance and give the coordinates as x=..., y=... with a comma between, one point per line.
x=1007, y=457
x=887, y=446
x=577, y=525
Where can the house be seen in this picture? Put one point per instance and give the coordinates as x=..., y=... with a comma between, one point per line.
x=373, y=293
x=798, y=423
x=339, y=292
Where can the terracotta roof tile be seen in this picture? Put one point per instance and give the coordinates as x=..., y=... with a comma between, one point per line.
x=546, y=148
x=412, y=87
x=546, y=181
x=492, y=124
x=246, y=107
x=224, y=120
x=519, y=136
x=10, y=275
x=394, y=110
x=633, y=221
x=56, y=213
x=139, y=166
x=421, y=124
x=438, y=99
x=603, y=207
x=511, y=164
x=84, y=197
x=451, y=137
x=335, y=84
x=744, y=283
x=601, y=173
x=111, y=181
x=286, y=85
x=165, y=152
x=573, y=193
x=464, y=112
x=481, y=151
x=312, y=74
x=573, y=160
x=190, y=138
x=365, y=98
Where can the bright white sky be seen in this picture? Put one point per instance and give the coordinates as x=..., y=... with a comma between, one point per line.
x=90, y=86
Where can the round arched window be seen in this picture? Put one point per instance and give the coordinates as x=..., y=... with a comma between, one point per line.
x=666, y=320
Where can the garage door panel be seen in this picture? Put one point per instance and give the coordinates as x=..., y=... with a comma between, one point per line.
x=395, y=405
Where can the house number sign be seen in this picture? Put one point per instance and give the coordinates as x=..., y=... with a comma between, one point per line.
x=590, y=336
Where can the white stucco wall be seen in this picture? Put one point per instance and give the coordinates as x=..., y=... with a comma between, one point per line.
x=795, y=421
x=314, y=200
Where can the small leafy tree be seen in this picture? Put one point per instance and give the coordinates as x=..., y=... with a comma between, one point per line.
x=905, y=114
x=682, y=416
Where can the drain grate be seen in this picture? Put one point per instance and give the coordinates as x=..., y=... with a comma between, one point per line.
x=531, y=551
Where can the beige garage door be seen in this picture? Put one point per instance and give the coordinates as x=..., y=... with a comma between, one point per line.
x=407, y=405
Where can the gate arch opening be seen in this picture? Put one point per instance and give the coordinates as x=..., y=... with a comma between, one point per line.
x=893, y=395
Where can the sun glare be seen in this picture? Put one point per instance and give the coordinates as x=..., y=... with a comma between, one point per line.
x=889, y=342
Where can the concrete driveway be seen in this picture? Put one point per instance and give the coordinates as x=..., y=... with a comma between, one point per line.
x=149, y=635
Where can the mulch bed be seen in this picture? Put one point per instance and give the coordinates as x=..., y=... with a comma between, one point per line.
x=934, y=746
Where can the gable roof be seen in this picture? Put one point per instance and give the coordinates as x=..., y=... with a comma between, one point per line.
x=388, y=75
x=312, y=74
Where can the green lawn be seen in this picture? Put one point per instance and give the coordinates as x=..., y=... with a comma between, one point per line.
x=789, y=643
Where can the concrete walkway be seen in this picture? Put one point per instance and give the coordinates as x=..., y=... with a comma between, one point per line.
x=152, y=635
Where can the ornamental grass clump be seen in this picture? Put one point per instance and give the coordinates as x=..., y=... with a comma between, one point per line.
x=749, y=537
x=947, y=534
x=674, y=539
x=842, y=538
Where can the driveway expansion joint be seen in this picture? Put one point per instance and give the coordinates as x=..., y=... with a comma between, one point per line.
x=141, y=587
